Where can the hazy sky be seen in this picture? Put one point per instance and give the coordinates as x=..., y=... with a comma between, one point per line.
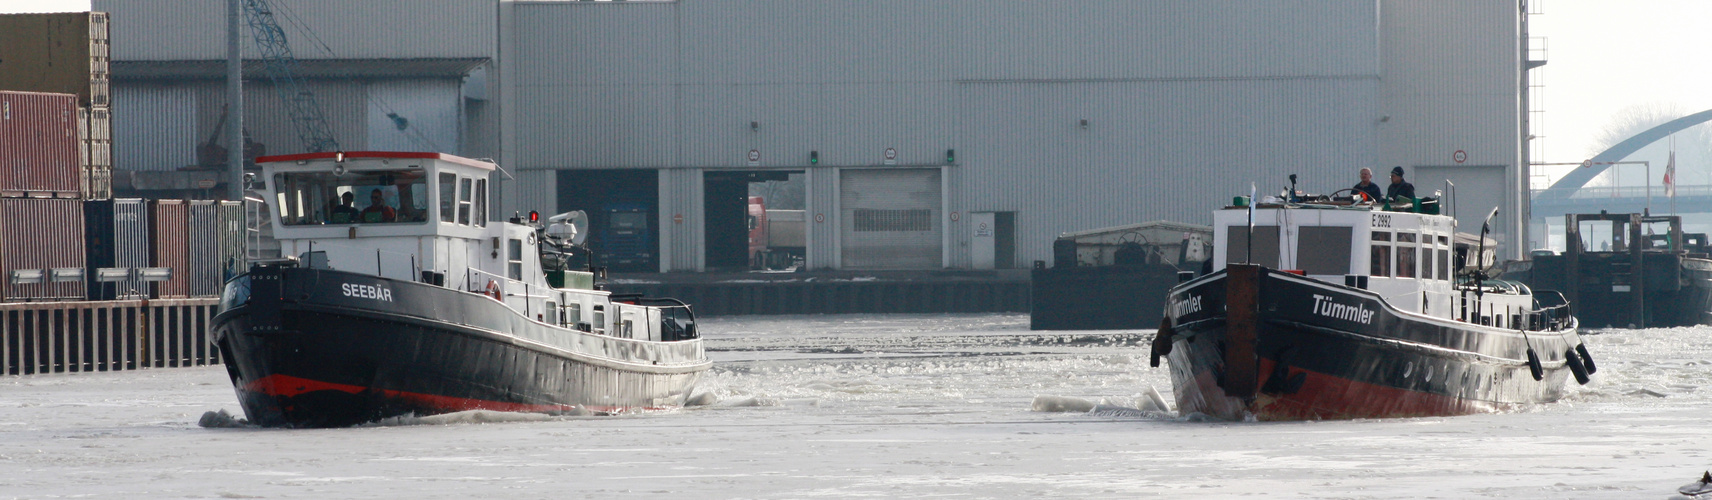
x=1604, y=56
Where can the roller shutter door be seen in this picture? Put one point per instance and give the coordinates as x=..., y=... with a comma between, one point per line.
x=891, y=219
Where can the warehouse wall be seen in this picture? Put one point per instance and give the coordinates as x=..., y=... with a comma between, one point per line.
x=154, y=30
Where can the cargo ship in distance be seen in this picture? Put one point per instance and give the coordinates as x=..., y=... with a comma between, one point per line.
x=1324, y=308
x=400, y=297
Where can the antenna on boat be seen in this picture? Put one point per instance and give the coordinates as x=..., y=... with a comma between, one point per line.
x=1480, y=262
x=1248, y=252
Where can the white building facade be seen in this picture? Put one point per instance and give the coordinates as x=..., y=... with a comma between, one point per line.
x=948, y=133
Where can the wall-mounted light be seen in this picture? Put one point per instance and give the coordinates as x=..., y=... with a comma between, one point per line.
x=755, y=126
x=1084, y=123
x=813, y=157
x=950, y=156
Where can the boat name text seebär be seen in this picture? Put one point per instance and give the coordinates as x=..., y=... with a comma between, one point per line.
x=374, y=292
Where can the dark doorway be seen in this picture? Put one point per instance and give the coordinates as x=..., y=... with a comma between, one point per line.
x=727, y=224
x=623, y=207
x=1004, y=240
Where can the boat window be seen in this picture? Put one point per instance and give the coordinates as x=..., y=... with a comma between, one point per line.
x=364, y=197
x=1379, y=260
x=481, y=202
x=1265, y=245
x=1324, y=250
x=1405, y=255
x=514, y=259
x=1444, y=240
x=1444, y=264
x=448, y=197
x=573, y=314
x=464, y=200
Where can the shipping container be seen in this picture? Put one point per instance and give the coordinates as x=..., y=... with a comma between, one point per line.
x=95, y=123
x=97, y=183
x=41, y=250
x=66, y=53
x=169, y=246
x=118, y=236
x=206, y=269
x=38, y=145
x=234, y=241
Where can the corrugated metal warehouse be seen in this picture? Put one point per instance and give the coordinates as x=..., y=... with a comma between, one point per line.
x=926, y=133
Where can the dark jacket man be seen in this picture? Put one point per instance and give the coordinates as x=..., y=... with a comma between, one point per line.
x=1399, y=187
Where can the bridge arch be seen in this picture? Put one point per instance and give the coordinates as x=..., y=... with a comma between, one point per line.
x=1569, y=184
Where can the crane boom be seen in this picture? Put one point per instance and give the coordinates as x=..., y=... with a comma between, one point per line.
x=281, y=65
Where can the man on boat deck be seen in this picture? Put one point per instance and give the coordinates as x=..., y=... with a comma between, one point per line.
x=378, y=210
x=1367, y=186
x=345, y=212
x=1399, y=187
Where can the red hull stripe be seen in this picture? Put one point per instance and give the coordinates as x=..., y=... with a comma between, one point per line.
x=286, y=386
x=1325, y=396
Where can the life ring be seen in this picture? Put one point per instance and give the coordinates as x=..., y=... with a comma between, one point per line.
x=493, y=291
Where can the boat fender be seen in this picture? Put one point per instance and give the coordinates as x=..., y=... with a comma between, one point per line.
x=1161, y=343
x=1586, y=359
x=1534, y=365
x=493, y=291
x=1575, y=366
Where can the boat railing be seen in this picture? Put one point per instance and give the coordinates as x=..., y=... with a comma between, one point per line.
x=1551, y=311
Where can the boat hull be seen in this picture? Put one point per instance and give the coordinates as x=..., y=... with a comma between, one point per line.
x=1252, y=343
x=303, y=350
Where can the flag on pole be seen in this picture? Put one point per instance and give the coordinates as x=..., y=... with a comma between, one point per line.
x=1670, y=176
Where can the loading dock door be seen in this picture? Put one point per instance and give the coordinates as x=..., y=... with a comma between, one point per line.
x=891, y=219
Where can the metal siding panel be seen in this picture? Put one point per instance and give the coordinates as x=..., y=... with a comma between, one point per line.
x=1153, y=150
x=597, y=127
x=269, y=123
x=821, y=218
x=149, y=30
x=156, y=127
x=430, y=108
x=536, y=192
x=1166, y=39
x=681, y=243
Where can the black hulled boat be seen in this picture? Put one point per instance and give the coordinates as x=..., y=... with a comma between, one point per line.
x=1342, y=310
x=414, y=303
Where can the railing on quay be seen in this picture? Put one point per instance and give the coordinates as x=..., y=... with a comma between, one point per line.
x=59, y=337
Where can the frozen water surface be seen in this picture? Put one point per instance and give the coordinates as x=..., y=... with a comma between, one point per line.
x=878, y=406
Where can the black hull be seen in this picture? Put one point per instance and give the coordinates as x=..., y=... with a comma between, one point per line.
x=302, y=352
x=1678, y=289
x=1289, y=357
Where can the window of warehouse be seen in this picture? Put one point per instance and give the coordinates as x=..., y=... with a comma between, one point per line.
x=873, y=220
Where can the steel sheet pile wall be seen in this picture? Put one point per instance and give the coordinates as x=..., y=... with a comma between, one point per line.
x=118, y=237
x=169, y=244
x=205, y=265
x=38, y=145
x=38, y=236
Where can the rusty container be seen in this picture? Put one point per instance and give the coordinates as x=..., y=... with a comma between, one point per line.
x=169, y=246
x=39, y=145
x=41, y=250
